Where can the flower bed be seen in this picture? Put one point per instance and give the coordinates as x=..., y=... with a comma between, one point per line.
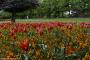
x=45, y=41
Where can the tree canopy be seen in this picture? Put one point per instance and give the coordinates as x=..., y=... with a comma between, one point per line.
x=49, y=8
x=14, y=6
x=56, y=8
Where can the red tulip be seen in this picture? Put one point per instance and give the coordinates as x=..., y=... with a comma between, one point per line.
x=24, y=29
x=24, y=45
x=12, y=33
x=14, y=36
x=39, y=30
x=85, y=24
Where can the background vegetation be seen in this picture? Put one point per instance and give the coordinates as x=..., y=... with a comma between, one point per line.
x=55, y=9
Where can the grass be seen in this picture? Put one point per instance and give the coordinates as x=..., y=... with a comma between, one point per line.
x=78, y=20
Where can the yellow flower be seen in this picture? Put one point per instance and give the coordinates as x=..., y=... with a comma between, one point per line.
x=87, y=57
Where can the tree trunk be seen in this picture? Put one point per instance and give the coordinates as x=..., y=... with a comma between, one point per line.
x=62, y=14
x=13, y=17
x=69, y=13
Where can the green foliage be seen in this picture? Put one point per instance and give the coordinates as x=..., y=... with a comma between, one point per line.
x=5, y=15
x=54, y=8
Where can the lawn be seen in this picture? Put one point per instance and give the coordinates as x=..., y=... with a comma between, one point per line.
x=78, y=20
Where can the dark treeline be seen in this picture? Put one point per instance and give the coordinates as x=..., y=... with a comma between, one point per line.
x=55, y=9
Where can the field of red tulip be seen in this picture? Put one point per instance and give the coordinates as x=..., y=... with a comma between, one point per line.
x=45, y=41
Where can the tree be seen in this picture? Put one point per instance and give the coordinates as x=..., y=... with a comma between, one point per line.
x=51, y=8
x=85, y=7
x=15, y=6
